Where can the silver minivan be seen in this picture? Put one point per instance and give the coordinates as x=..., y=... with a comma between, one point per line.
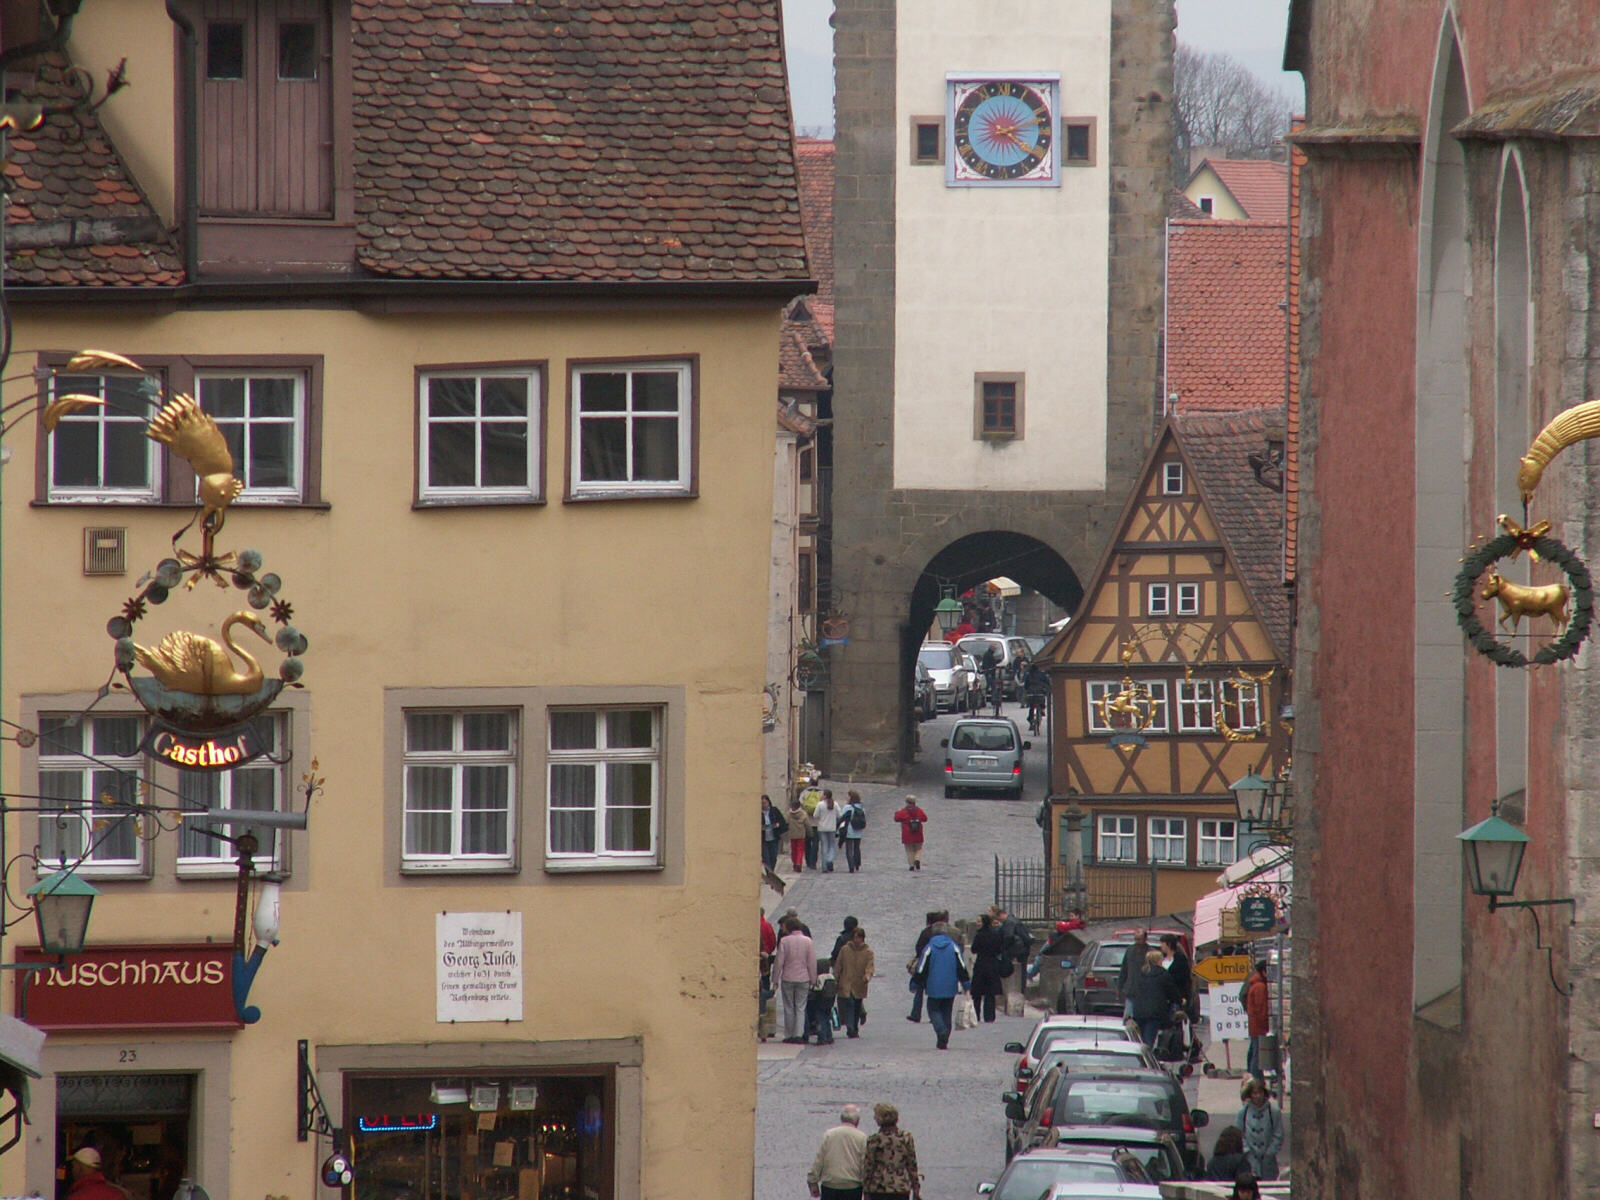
x=986, y=753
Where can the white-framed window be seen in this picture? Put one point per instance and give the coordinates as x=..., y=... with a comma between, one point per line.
x=1116, y=839
x=1172, y=479
x=91, y=769
x=1105, y=689
x=479, y=435
x=259, y=786
x=1197, y=706
x=605, y=786
x=631, y=429
x=100, y=452
x=460, y=778
x=1169, y=840
x=1241, y=705
x=1217, y=844
x=1157, y=599
x=1188, y=599
x=262, y=416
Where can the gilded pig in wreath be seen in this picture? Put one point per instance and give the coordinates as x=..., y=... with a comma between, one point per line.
x=1518, y=601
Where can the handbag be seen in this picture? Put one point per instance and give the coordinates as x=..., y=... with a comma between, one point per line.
x=965, y=1013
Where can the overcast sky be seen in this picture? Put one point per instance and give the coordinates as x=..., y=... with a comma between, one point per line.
x=1250, y=30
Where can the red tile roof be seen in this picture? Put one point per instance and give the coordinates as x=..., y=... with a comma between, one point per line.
x=565, y=141
x=1218, y=446
x=1260, y=186
x=814, y=157
x=65, y=175
x=798, y=369
x=1225, y=314
x=630, y=142
x=1181, y=208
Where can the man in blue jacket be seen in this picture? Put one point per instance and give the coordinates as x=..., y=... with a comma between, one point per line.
x=943, y=974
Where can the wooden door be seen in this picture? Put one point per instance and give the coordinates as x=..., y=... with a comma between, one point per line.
x=265, y=121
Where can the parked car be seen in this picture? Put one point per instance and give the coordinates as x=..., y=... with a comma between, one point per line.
x=1058, y=1028
x=1102, y=1054
x=1104, y=1191
x=1031, y=1176
x=1143, y=1099
x=984, y=753
x=1092, y=987
x=1155, y=1148
x=952, y=682
x=923, y=693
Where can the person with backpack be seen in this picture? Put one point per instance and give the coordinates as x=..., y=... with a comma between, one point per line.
x=911, y=819
x=852, y=824
x=1018, y=943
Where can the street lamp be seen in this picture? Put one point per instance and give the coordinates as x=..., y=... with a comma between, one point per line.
x=948, y=610
x=61, y=904
x=1252, y=796
x=1494, y=849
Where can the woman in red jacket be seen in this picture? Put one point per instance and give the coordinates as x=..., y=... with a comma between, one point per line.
x=1258, y=1010
x=911, y=820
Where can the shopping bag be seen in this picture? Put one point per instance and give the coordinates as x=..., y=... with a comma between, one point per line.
x=965, y=1012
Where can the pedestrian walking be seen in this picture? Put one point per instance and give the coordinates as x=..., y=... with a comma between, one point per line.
x=911, y=819
x=88, y=1179
x=988, y=960
x=810, y=797
x=820, y=1003
x=836, y=1172
x=799, y=824
x=932, y=919
x=1228, y=1157
x=826, y=819
x=794, y=966
x=889, y=1163
x=1018, y=943
x=943, y=976
x=1261, y=1122
x=853, y=968
x=773, y=827
x=1153, y=997
x=1132, y=963
x=1257, y=1009
x=1177, y=964
x=852, y=824
x=769, y=947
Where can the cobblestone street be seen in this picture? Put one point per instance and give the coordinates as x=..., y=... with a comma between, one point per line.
x=950, y=1101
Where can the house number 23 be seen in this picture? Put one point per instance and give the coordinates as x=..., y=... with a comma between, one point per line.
x=127, y=1056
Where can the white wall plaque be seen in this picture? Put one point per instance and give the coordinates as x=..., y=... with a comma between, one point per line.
x=478, y=964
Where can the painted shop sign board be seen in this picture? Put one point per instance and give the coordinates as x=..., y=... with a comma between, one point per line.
x=478, y=966
x=1258, y=914
x=131, y=987
x=222, y=750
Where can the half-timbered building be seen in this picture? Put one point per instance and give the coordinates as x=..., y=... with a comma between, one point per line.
x=1168, y=684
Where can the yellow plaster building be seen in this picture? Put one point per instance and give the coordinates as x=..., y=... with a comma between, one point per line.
x=496, y=375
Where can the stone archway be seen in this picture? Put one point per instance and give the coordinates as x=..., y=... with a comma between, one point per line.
x=970, y=560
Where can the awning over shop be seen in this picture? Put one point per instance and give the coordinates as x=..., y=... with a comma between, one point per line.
x=1267, y=864
x=1002, y=586
x=1262, y=862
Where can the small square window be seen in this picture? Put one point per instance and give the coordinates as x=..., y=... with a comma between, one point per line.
x=1116, y=839
x=927, y=141
x=632, y=429
x=1077, y=141
x=605, y=786
x=479, y=434
x=998, y=413
x=1157, y=600
x=460, y=782
x=1169, y=840
x=224, y=50
x=1188, y=599
x=297, y=50
x=1172, y=479
x=1206, y=203
x=262, y=418
x=91, y=770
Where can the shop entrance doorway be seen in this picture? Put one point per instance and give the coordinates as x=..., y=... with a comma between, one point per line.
x=142, y=1125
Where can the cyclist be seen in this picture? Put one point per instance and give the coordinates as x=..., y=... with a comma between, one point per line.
x=989, y=666
x=1036, y=686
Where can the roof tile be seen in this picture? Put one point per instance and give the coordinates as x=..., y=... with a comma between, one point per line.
x=1226, y=318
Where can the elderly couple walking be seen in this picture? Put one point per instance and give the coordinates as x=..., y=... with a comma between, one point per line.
x=852, y=1166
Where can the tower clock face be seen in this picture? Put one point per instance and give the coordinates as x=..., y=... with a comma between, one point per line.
x=1002, y=131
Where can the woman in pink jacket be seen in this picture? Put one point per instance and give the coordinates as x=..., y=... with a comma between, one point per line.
x=911, y=819
x=795, y=968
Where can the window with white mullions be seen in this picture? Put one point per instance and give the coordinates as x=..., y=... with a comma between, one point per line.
x=631, y=429
x=1116, y=839
x=91, y=769
x=605, y=784
x=480, y=435
x=256, y=787
x=1169, y=840
x=460, y=776
x=1217, y=844
x=100, y=452
x=1102, y=691
x=1197, y=706
x=1241, y=705
x=260, y=414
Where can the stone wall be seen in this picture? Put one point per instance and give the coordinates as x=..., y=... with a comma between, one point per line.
x=884, y=537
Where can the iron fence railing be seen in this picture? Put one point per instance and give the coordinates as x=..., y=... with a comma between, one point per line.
x=1103, y=892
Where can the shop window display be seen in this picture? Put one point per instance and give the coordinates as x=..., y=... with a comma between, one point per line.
x=479, y=1136
x=138, y=1123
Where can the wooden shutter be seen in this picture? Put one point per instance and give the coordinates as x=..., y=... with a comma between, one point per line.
x=266, y=142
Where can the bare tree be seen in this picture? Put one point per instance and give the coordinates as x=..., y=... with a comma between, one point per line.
x=1219, y=102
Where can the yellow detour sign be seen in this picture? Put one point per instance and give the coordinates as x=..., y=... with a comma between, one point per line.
x=1224, y=968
